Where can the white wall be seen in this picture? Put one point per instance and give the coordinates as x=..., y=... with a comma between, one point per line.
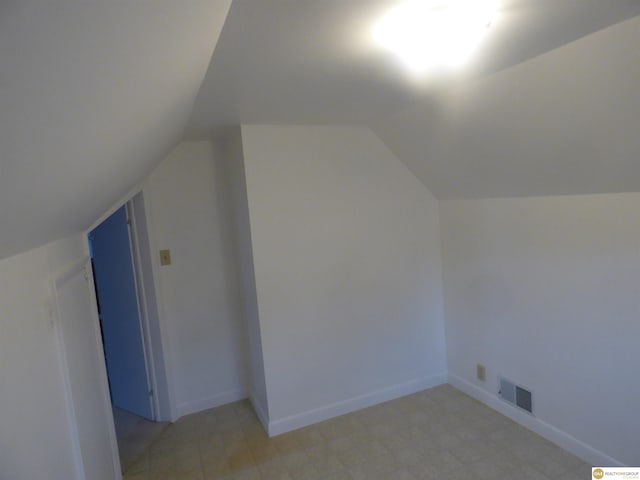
x=190, y=214
x=346, y=249
x=32, y=430
x=545, y=291
x=35, y=430
x=234, y=164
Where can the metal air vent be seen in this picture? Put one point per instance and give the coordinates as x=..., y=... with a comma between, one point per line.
x=515, y=395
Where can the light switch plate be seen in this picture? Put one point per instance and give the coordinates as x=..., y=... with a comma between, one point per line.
x=481, y=372
x=165, y=257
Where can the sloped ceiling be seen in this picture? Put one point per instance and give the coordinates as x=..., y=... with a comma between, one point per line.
x=567, y=122
x=92, y=95
x=549, y=106
x=285, y=61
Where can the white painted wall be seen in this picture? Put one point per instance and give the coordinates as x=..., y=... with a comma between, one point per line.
x=189, y=213
x=35, y=430
x=545, y=291
x=346, y=249
x=32, y=431
x=234, y=164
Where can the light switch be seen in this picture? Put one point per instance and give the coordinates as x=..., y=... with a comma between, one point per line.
x=481, y=372
x=165, y=257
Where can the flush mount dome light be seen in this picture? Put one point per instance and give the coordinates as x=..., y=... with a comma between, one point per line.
x=430, y=35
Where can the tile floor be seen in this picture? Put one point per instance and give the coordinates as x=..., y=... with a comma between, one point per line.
x=440, y=433
x=135, y=435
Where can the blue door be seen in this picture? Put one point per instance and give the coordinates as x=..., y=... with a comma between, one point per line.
x=119, y=315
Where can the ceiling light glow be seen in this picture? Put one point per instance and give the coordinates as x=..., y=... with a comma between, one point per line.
x=430, y=35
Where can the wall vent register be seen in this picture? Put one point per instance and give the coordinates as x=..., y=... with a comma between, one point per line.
x=515, y=395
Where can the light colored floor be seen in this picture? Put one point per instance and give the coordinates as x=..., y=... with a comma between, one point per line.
x=436, y=434
x=135, y=435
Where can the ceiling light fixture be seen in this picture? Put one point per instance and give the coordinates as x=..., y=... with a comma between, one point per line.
x=433, y=35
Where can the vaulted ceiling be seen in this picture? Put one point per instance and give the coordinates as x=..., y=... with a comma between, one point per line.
x=94, y=94
x=292, y=61
x=563, y=123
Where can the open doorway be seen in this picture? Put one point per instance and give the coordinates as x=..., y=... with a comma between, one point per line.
x=126, y=331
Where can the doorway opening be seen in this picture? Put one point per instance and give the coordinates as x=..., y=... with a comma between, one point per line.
x=120, y=256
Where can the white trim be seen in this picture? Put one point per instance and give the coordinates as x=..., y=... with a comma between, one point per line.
x=163, y=404
x=66, y=273
x=542, y=428
x=123, y=200
x=196, y=406
x=148, y=298
x=83, y=267
x=104, y=383
x=260, y=412
x=160, y=304
x=342, y=407
x=141, y=303
x=78, y=464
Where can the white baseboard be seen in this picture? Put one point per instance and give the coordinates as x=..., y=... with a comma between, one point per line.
x=187, y=408
x=260, y=412
x=310, y=417
x=551, y=433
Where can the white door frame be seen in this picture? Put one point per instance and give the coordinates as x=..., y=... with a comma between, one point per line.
x=141, y=303
x=83, y=267
x=152, y=315
x=146, y=266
